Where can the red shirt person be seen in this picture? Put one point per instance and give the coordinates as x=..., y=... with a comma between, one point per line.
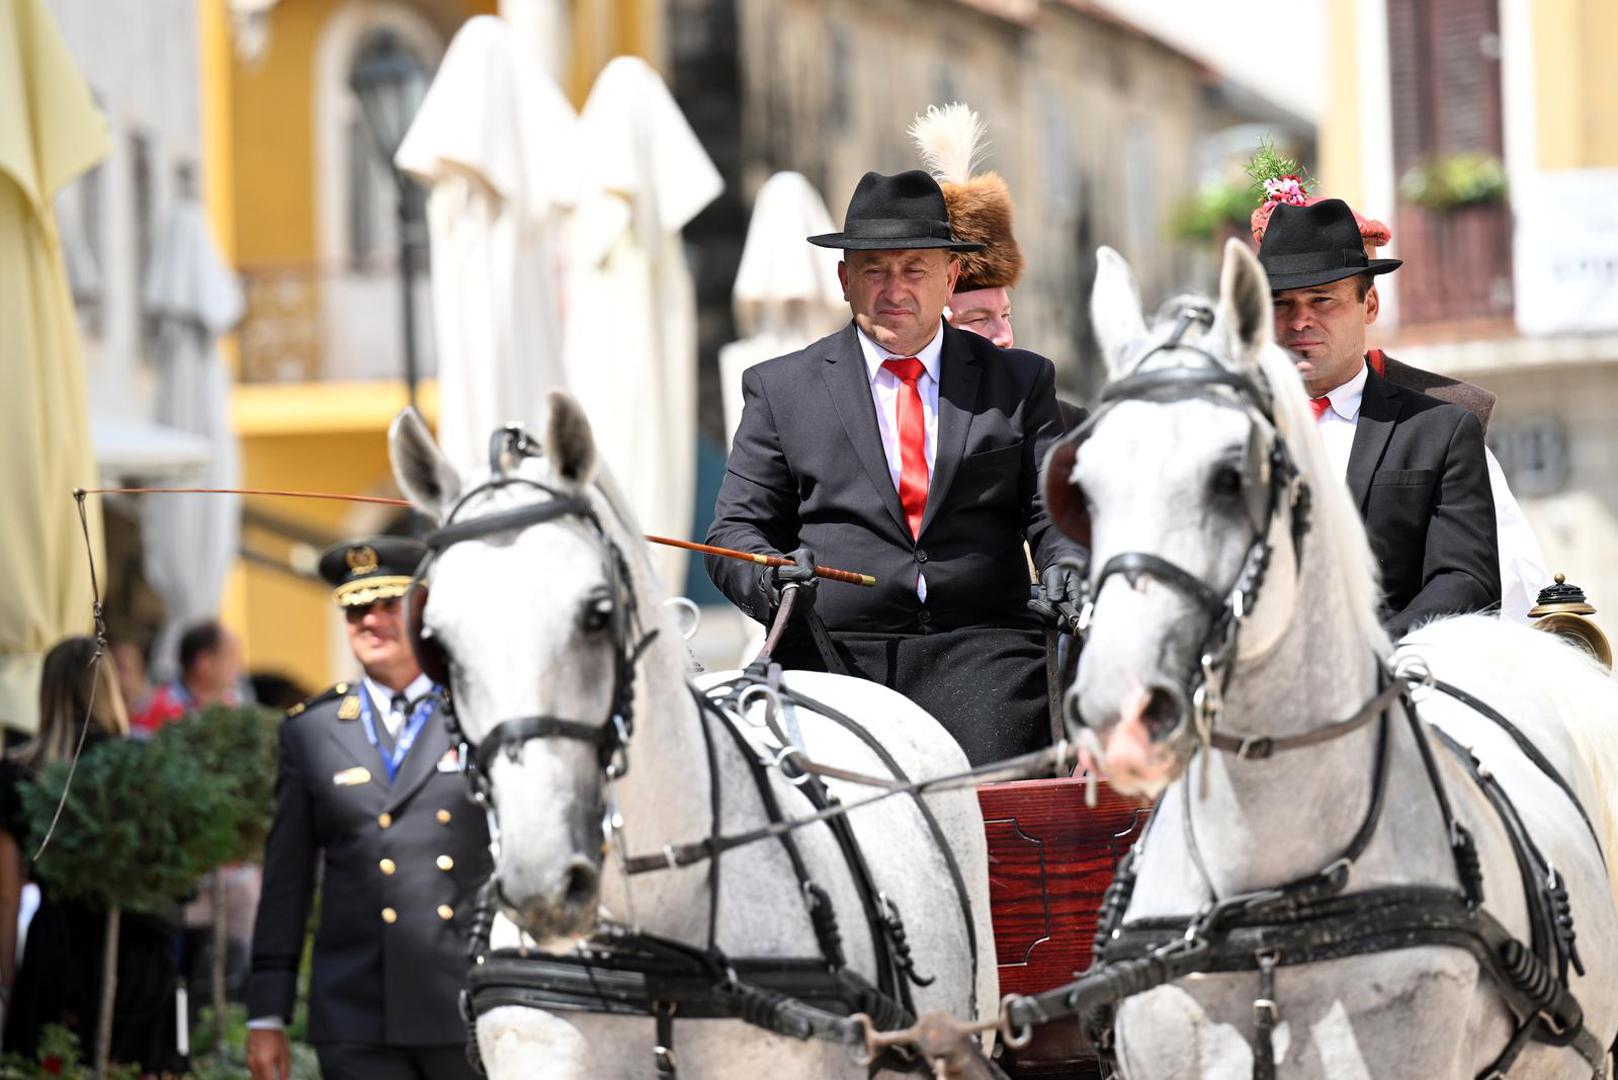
x=210, y=665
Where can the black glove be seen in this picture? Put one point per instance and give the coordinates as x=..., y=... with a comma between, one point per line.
x=1061, y=585
x=773, y=579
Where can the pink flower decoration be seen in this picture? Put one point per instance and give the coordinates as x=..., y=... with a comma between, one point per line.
x=1287, y=189
x=1373, y=232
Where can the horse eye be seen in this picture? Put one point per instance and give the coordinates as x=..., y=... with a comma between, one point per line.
x=596, y=614
x=1226, y=481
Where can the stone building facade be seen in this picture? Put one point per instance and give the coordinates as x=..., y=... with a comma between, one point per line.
x=1094, y=123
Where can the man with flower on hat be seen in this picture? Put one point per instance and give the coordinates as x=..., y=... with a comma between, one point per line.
x=908, y=449
x=1523, y=571
x=369, y=802
x=1414, y=465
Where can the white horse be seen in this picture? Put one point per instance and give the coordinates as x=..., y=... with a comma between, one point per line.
x=526, y=617
x=1170, y=476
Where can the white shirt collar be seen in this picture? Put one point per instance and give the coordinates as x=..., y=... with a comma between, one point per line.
x=1345, y=399
x=929, y=355
x=383, y=697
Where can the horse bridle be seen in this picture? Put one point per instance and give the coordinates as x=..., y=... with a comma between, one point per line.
x=1270, y=479
x=609, y=736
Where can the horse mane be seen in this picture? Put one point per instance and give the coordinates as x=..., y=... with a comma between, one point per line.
x=1335, y=520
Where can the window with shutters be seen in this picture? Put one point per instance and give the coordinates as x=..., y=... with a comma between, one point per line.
x=1444, y=68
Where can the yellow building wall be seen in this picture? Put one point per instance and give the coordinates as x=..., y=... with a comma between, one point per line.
x=273, y=139
x=1341, y=169
x=259, y=146
x=1576, y=76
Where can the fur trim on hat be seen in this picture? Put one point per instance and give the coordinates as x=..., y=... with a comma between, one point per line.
x=951, y=141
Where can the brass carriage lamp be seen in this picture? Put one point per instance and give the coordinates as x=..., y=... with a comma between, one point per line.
x=1563, y=610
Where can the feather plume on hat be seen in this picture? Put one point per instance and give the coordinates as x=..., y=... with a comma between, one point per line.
x=951, y=142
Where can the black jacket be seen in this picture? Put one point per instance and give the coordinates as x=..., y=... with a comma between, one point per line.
x=807, y=467
x=1418, y=476
x=418, y=849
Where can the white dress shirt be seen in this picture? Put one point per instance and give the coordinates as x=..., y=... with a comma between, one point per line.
x=885, y=387
x=382, y=701
x=1336, y=425
x=1522, y=562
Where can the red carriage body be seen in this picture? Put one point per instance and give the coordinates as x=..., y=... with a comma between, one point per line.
x=1050, y=859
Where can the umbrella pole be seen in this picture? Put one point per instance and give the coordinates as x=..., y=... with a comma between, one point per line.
x=407, y=275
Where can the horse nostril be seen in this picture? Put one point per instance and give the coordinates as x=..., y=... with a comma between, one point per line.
x=1163, y=713
x=579, y=888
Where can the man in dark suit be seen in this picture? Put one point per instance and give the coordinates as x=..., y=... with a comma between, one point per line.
x=906, y=449
x=370, y=792
x=1414, y=465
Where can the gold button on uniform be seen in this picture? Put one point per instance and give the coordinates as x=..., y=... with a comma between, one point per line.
x=389, y=916
x=446, y=863
x=446, y=912
x=383, y=820
x=387, y=866
x=443, y=817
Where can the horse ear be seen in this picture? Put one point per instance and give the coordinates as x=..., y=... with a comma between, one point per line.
x=1115, y=309
x=1244, y=302
x=569, y=443
x=424, y=474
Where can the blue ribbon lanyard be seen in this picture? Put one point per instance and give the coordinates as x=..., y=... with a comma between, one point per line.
x=407, y=735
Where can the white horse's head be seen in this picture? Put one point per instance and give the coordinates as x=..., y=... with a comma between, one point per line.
x=531, y=614
x=1177, y=482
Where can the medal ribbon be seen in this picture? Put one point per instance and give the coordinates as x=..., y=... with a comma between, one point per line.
x=407, y=734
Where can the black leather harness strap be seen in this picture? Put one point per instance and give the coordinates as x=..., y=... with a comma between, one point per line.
x=1258, y=747
x=1532, y=752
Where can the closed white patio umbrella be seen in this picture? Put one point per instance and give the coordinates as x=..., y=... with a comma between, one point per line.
x=631, y=352
x=190, y=541
x=786, y=293
x=494, y=142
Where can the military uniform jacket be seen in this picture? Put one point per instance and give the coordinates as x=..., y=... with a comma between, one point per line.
x=400, y=865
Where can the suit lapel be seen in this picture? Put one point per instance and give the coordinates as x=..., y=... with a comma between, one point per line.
x=348, y=732
x=957, y=403
x=849, y=382
x=1379, y=409
x=420, y=763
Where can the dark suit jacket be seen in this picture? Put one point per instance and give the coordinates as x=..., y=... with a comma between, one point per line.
x=807, y=468
x=1418, y=476
x=418, y=848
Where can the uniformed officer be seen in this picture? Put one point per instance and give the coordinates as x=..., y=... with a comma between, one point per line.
x=370, y=791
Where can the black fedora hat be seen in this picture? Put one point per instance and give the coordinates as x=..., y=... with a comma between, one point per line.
x=889, y=213
x=1313, y=245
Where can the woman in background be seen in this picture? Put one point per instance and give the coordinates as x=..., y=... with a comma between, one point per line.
x=58, y=977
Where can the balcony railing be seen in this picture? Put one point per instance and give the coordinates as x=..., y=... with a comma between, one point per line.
x=1457, y=263
x=308, y=324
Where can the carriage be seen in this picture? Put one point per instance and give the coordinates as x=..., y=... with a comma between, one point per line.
x=1030, y=860
x=1051, y=858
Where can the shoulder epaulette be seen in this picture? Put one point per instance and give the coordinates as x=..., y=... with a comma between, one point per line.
x=331, y=693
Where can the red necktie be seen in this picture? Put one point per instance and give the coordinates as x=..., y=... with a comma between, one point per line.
x=912, y=441
x=1320, y=405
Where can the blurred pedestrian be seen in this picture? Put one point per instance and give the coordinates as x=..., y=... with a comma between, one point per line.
x=210, y=666
x=58, y=979
x=370, y=800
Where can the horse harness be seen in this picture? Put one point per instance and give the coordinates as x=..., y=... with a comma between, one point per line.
x=624, y=971
x=1310, y=919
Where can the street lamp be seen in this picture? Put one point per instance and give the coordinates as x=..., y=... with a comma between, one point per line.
x=390, y=83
